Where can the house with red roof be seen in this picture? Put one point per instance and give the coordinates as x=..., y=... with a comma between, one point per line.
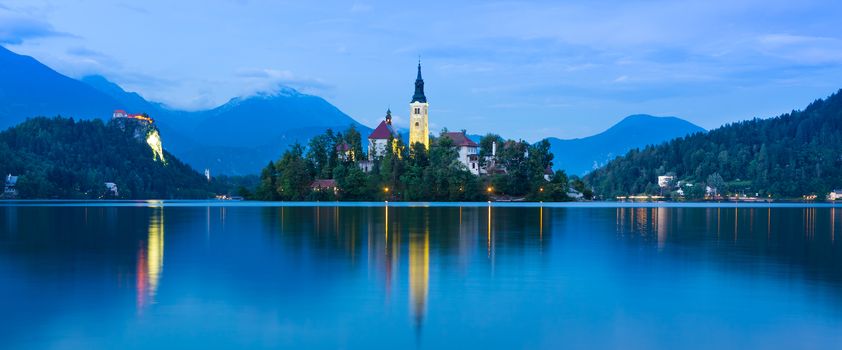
x=345, y=152
x=467, y=149
x=325, y=185
x=378, y=141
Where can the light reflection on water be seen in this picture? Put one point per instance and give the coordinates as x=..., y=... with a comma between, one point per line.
x=432, y=277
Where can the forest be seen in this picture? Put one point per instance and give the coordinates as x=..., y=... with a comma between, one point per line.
x=413, y=173
x=68, y=159
x=793, y=155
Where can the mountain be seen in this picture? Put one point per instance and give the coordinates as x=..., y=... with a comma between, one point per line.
x=579, y=156
x=29, y=88
x=239, y=137
x=795, y=154
x=69, y=159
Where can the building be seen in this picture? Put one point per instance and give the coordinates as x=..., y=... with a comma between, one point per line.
x=344, y=151
x=112, y=189
x=467, y=149
x=121, y=114
x=419, y=127
x=548, y=174
x=491, y=167
x=664, y=181
x=378, y=141
x=834, y=195
x=324, y=185
x=10, y=189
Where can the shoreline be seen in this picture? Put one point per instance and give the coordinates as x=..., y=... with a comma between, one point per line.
x=227, y=203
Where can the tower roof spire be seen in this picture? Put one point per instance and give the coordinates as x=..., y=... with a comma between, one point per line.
x=419, y=69
x=419, y=87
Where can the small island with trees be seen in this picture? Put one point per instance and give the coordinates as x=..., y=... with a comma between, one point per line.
x=329, y=168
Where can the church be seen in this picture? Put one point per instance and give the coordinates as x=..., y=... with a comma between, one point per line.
x=419, y=132
x=419, y=127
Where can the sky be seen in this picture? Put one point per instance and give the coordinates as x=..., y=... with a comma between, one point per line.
x=522, y=69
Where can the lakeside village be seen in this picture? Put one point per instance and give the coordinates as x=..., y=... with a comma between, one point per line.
x=449, y=167
x=672, y=189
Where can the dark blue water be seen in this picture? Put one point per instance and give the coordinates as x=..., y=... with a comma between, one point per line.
x=195, y=275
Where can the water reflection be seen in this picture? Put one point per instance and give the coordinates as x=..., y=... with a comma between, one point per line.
x=351, y=277
x=150, y=260
x=800, y=236
x=419, y=274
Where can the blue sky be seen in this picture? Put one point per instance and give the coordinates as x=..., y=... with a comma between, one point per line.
x=522, y=69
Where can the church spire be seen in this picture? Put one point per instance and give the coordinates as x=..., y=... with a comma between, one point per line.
x=419, y=87
x=419, y=70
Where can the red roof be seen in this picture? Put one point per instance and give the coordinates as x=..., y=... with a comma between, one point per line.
x=383, y=132
x=460, y=139
x=343, y=147
x=327, y=183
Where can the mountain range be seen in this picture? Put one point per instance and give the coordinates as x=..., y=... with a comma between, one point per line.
x=242, y=135
x=580, y=156
x=238, y=137
x=793, y=155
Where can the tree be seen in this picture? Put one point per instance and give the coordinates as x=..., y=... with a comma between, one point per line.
x=486, y=146
x=293, y=174
x=716, y=183
x=788, y=156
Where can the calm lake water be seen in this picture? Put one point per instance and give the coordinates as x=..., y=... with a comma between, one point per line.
x=206, y=275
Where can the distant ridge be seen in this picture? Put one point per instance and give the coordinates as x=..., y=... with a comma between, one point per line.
x=788, y=156
x=580, y=156
x=239, y=137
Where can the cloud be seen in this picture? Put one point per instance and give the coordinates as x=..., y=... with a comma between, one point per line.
x=15, y=29
x=79, y=51
x=269, y=79
x=801, y=49
x=360, y=8
x=133, y=7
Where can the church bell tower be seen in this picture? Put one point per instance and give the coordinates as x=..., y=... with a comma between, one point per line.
x=419, y=128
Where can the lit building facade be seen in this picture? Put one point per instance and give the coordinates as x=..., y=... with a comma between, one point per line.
x=378, y=141
x=419, y=127
x=467, y=149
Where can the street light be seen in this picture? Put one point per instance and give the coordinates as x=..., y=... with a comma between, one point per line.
x=386, y=189
x=489, y=189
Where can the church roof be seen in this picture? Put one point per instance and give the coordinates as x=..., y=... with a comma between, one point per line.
x=383, y=132
x=460, y=139
x=419, y=88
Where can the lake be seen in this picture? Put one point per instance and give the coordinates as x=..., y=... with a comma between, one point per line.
x=124, y=275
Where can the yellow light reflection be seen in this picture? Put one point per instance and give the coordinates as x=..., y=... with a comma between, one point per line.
x=489, y=231
x=155, y=249
x=419, y=274
x=150, y=260
x=662, y=217
x=541, y=225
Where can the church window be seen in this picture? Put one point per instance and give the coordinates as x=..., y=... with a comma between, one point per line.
x=416, y=123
